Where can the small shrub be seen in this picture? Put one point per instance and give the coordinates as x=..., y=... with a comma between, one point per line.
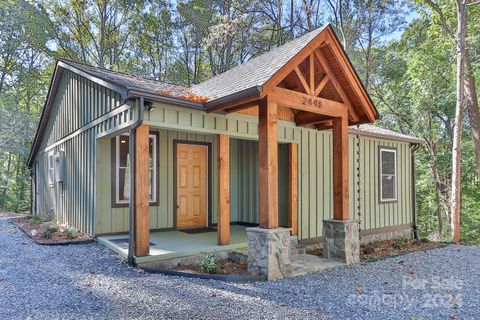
x=52, y=227
x=70, y=233
x=209, y=263
x=424, y=240
x=36, y=219
x=401, y=243
x=368, y=248
x=47, y=234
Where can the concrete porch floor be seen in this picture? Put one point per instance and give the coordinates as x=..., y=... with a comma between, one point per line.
x=174, y=244
x=167, y=245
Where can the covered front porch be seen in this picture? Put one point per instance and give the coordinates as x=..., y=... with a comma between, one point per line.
x=316, y=89
x=166, y=245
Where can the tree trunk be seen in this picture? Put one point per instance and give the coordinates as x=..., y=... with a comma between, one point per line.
x=472, y=105
x=5, y=187
x=438, y=187
x=457, y=134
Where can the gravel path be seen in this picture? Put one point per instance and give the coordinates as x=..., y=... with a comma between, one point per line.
x=90, y=282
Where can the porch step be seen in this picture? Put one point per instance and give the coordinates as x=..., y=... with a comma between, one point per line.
x=296, y=248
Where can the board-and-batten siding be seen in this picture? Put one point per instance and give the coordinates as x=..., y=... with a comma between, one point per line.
x=161, y=217
x=74, y=124
x=315, y=167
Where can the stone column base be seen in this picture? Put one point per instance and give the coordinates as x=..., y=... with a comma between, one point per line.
x=269, y=252
x=341, y=240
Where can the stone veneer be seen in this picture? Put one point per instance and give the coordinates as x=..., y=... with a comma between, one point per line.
x=269, y=252
x=341, y=240
x=386, y=235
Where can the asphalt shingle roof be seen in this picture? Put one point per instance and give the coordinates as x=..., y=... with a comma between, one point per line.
x=254, y=72
x=368, y=129
x=134, y=83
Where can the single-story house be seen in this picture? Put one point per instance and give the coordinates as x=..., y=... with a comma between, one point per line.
x=280, y=146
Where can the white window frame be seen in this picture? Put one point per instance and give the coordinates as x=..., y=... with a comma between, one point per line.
x=395, y=196
x=153, y=197
x=51, y=168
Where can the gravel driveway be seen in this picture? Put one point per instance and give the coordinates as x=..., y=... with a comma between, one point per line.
x=90, y=282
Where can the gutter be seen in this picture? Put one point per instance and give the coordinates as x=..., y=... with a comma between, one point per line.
x=131, y=205
x=414, y=147
x=169, y=100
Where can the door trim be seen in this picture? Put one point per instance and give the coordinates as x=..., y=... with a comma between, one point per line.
x=209, y=179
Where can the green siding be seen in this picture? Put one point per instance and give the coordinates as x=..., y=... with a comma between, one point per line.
x=83, y=120
x=315, y=172
x=77, y=103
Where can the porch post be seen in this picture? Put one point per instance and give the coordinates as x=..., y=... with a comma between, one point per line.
x=340, y=235
x=268, y=245
x=293, y=187
x=223, y=221
x=268, y=164
x=340, y=168
x=142, y=187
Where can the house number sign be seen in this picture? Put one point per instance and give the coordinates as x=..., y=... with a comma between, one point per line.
x=312, y=102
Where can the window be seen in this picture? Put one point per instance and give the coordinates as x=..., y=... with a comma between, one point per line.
x=388, y=174
x=122, y=169
x=51, y=171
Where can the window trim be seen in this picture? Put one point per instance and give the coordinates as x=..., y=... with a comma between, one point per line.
x=115, y=151
x=380, y=175
x=51, y=168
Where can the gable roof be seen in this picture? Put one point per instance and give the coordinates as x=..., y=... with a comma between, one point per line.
x=255, y=72
x=130, y=83
x=246, y=80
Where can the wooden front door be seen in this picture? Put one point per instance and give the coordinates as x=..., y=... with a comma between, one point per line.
x=191, y=185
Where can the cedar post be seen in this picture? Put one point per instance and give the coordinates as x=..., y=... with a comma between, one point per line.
x=340, y=168
x=268, y=164
x=142, y=187
x=223, y=223
x=293, y=187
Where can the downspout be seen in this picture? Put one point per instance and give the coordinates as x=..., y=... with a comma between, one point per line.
x=414, y=147
x=131, y=205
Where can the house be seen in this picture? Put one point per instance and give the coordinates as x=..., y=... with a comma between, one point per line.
x=283, y=140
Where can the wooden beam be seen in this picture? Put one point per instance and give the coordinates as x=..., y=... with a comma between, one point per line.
x=268, y=164
x=332, y=43
x=293, y=187
x=323, y=61
x=223, y=220
x=325, y=125
x=296, y=60
x=243, y=106
x=307, y=118
x=300, y=101
x=321, y=85
x=235, y=103
x=302, y=80
x=340, y=169
x=311, y=64
x=142, y=191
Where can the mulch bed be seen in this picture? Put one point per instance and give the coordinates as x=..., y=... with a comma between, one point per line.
x=35, y=231
x=384, y=249
x=227, y=267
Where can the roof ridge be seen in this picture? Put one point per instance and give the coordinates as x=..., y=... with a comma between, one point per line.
x=271, y=52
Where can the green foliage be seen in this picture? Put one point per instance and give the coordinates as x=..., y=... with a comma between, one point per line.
x=36, y=219
x=47, y=234
x=209, y=262
x=400, y=243
x=70, y=233
x=52, y=227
